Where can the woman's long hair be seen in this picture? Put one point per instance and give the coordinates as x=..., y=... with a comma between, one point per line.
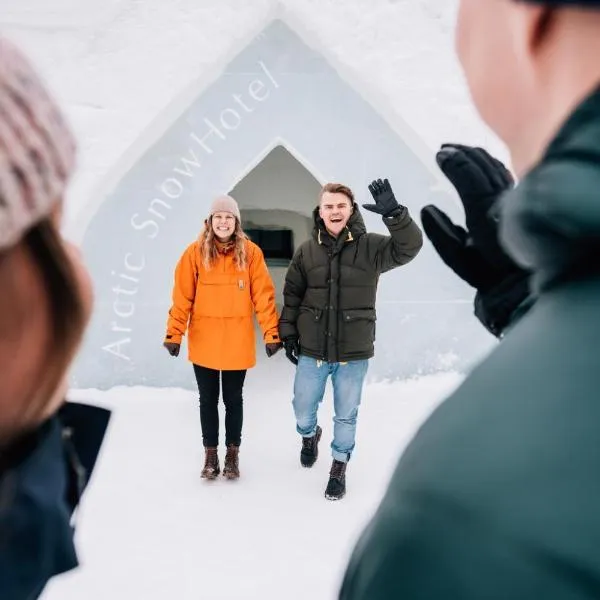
x=209, y=250
x=67, y=314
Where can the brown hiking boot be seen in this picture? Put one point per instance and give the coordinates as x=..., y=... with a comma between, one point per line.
x=231, y=470
x=211, y=464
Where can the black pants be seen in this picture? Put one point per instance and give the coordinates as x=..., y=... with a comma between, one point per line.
x=208, y=386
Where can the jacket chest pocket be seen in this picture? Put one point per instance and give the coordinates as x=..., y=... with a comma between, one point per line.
x=224, y=296
x=242, y=298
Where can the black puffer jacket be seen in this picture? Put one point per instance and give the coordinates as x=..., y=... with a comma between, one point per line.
x=331, y=285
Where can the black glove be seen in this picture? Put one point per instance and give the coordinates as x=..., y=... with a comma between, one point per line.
x=475, y=254
x=292, y=349
x=172, y=347
x=273, y=348
x=386, y=204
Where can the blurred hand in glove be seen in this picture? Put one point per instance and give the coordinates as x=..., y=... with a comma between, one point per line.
x=475, y=253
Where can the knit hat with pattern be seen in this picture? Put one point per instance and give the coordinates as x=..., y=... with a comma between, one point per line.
x=37, y=150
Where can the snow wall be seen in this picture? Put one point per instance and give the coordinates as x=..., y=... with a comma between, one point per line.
x=277, y=124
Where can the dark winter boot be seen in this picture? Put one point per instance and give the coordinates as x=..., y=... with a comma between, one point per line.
x=231, y=470
x=211, y=464
x=336, y=488
x=310, y=449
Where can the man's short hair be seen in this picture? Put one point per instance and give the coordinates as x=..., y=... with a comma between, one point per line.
x=337, y=188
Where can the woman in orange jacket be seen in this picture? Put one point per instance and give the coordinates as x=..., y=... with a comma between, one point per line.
x=221, y=282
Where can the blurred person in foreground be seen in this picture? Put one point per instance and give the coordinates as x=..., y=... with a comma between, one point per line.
x=497, y=495
x=48, y=448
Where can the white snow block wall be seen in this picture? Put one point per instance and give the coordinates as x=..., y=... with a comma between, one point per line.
x=276, y=97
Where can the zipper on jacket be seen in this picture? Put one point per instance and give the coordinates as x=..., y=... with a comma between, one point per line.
x=327, y=316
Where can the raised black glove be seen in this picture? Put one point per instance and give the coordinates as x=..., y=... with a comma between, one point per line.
x=172, y=348
x=475, y=254
x=386, y=204
x=292, y=349
x=273, y=348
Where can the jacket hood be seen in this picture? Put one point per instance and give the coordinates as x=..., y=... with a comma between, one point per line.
x=551, y=221
x=355, y=225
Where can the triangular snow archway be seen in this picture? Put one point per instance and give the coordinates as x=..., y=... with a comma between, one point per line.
x=277, y=92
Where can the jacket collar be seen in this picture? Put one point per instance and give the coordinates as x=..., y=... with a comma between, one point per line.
x=551, y=221
x=323, y=236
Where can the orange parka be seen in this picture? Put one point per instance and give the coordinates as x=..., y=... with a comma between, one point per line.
x=216, y=306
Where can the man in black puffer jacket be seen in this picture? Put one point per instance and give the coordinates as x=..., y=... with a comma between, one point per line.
x=328, y=320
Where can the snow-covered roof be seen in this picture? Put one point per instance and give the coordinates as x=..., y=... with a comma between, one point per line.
x=120, y=68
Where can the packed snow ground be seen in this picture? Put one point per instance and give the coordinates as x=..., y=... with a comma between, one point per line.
x=151, y=529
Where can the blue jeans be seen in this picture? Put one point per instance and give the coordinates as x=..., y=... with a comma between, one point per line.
x=309, y=387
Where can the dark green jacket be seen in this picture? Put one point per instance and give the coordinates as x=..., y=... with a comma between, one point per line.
x=498, y=495
x=331, y=284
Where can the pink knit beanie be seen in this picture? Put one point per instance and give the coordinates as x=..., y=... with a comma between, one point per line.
x=37, y=150
x=225, y=204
